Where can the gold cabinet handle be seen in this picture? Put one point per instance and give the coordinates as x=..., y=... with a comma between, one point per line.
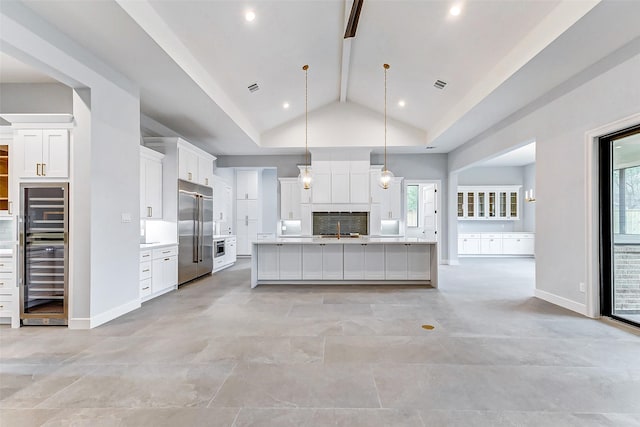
x=43, y=172
x=149, y=212
x=38, y=169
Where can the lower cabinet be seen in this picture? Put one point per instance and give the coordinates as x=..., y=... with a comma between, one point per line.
x=491, y=244
x=395, y=263
x=322, y=262
x=496, y=244
x=158, y=271
x=469, y=244
x=279, y=262
x=332, y=262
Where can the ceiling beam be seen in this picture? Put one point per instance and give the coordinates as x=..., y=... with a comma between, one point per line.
x=352, y=10
x=354, y=17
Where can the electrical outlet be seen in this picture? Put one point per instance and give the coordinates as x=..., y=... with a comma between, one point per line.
x=581, y=286
x=125, y=217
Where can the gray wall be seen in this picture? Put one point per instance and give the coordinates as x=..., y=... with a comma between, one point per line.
x=529, y=208
x=269, y=200
x=36, y=98
x=287, y=165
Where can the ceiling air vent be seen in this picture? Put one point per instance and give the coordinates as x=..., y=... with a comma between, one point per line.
x=439, y=84
x=254, y=87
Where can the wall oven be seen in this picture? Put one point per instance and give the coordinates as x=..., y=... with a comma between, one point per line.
x=219, y=248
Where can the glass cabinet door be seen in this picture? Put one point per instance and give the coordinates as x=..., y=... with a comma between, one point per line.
x=481, y=205
x=492, y=204
x=460, y=205
x=471, y=206
x=503, y=204
x=4, y=177
x=513, y=204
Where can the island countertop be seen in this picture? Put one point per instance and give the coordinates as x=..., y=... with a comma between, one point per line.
x=344, y=240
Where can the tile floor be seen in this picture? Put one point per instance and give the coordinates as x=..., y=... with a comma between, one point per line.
x=216, y=353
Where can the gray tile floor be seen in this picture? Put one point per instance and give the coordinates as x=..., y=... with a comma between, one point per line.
x=216, y=353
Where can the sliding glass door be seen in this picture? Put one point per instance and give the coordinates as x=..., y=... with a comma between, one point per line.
x=620, y=225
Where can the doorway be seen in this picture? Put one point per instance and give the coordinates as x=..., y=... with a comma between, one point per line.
x=619, y=158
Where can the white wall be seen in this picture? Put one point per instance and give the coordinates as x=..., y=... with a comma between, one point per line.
x=269, y=200
x=529, y=208
x=35, y=98
x=105, y=171
x=606, y=92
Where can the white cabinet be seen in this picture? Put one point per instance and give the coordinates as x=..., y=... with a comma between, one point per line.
x=332, y=262
x=375, y=190
x=150, y=184
x=374, y=264
x=312, y=262
x=290, y=199
x=340, y=186
x=205, y=171
x=418, y=262
x=359, y=187
x=468, y=244
x=222, y=200
x=496, y=244
x=247, y=184
x=246, y=233
x=391, y=206
x=187, y=165
x=491, y=244
x=375, y=216
x=354, y=262
x=395, y=265
x=246, y=210
x=488, y=202
x=321, y=186
x=279, y=262
x=268, y=262
x=43, y=153
x=518, y=244
x=363, y=262
x=158, y=271
x=306, y=219
x=322, y=262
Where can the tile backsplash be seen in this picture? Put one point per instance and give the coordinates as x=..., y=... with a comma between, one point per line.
x=350, y=222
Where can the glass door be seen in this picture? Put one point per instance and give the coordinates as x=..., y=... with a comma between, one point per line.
x=620, y=225
x=44, y=252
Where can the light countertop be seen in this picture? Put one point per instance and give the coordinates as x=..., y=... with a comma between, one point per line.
x=223, y=236
x=344, y=240
x=156, y=245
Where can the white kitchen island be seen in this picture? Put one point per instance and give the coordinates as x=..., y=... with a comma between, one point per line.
x=362, y=260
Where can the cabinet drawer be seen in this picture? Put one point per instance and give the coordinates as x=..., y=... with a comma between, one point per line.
x=491, y=235
x=145, y=270
x=229, y=240
x=165, y=252
x=7, y=283
x=145, y=256
x=468, y=235
x=6, y=265
x=6, y=304
x=219, y=262
x=145, y=288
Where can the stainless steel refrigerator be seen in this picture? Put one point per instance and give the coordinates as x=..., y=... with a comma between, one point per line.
x=44, y=253
x=195, y=231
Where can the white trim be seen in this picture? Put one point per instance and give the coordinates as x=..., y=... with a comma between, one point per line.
x=114, y=313
x=561, y=301
x=450, y=262
x=80, y=323
x=592, y=220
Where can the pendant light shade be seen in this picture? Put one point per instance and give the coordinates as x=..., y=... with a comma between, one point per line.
x=386, y=177
x=305, y=177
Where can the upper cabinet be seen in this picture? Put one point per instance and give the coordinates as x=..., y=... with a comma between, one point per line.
x=247, y=184
x=222, y=200
x=391, y=205
x=6, y=147
x=290, y=198
x=488, y=202
x=195, y=167
x=205, y=171
x=341, y=183
x=150, y=184
x=42, y=153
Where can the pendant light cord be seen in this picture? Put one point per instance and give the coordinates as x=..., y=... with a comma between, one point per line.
x=386, y=67
x=306, y=118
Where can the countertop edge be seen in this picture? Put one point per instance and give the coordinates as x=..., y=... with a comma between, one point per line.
x=147, y=246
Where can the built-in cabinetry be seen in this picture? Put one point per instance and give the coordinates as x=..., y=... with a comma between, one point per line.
x=194, y=166
x=496, y=244
x=364, y=262
x=43, y=153
x=6, y=169
x=280, y=262
x=488, y=202
x=150, y=183
x=294, y=204
x=9, y=305
x=221, y=262
x=246, y=210
x=340, y=183
x=158, y=271
x=222, y=200
x=322, y=262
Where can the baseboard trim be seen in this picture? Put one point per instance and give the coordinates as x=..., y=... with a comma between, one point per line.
x=450, y=262
x=561, y=301
x=114, y=313
x=80, y=323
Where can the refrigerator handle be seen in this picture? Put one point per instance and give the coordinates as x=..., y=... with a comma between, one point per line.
x=196, y=230
x=201, y=233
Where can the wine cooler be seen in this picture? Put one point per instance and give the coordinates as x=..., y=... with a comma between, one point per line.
x=44, y=253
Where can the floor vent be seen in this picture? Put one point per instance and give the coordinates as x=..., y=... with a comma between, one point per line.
x=254, y=87
x=439, y=84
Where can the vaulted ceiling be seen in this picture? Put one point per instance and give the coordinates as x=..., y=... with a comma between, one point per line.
x=194, y=60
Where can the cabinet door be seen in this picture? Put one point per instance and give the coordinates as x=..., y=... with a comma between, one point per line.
x=354, y=262
x=418, y=262
x=295, y=200
x=321, y=187
x=340, y=187
x=205, y=171
x=482, y=204
x=268, y=262
x=55, y=153
x=144, y=212
x=247, y=184
x=511, y=246
x=153, y=188
x=332, y=262
x=374, y=262
x=460, y=204
x=491, y=246
x=246, y=210
x=290, y=262
x=392, y=200
x=242, y=238
x=468, y=246
x=306, y=196
x=169, y=271
x=306, y=219
x=502, y=204
x=311, y=262
x=375, y=190
x=513, y=205
x=375, y=225
x=157, y=275
x=359, y=187
x=31, y=159
x=470, y=198
x=395, y=262
x=230, y=250
x=228, y=203
x=187, y=165
x=492, y=199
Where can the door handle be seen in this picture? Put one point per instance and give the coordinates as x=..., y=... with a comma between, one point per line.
x=149, y=212
x=43, y=172
x=38, y=169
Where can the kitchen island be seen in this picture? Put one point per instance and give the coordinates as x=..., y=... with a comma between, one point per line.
x=333, y=261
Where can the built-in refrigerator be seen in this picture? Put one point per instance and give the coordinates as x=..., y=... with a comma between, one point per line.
x=195, y=231
x=44, y=253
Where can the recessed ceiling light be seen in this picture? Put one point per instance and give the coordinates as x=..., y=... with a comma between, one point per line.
x=455, y=10
x=285, y=105
x=401, y=103
x=250, y=15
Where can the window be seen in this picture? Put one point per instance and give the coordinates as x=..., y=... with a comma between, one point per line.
x=413, y=197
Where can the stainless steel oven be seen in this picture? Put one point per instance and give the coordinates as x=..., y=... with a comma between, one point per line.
x=219, y=248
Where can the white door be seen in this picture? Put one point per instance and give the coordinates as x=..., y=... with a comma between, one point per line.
x=374, y=262
x=290, y=262
x=169, y=271
x=157, y=275
x=187, y=165
x=247, y=184
x=205, y=171
x=354, y=262
x=55, y=153
x=429, y=209
x=311, y=262
x=395, y=262
x=321, y=187
x=268, y=262
x=31, y=141
x=153, y=188
x=359, y=187
x=418, y=262
x=332, y=262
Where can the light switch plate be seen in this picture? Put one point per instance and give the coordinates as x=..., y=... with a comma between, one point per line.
x=126, y=217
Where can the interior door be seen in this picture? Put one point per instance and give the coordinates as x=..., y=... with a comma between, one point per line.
x=429, y=208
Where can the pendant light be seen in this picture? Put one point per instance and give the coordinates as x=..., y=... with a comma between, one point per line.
x=305, y=174
x=386, y=177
